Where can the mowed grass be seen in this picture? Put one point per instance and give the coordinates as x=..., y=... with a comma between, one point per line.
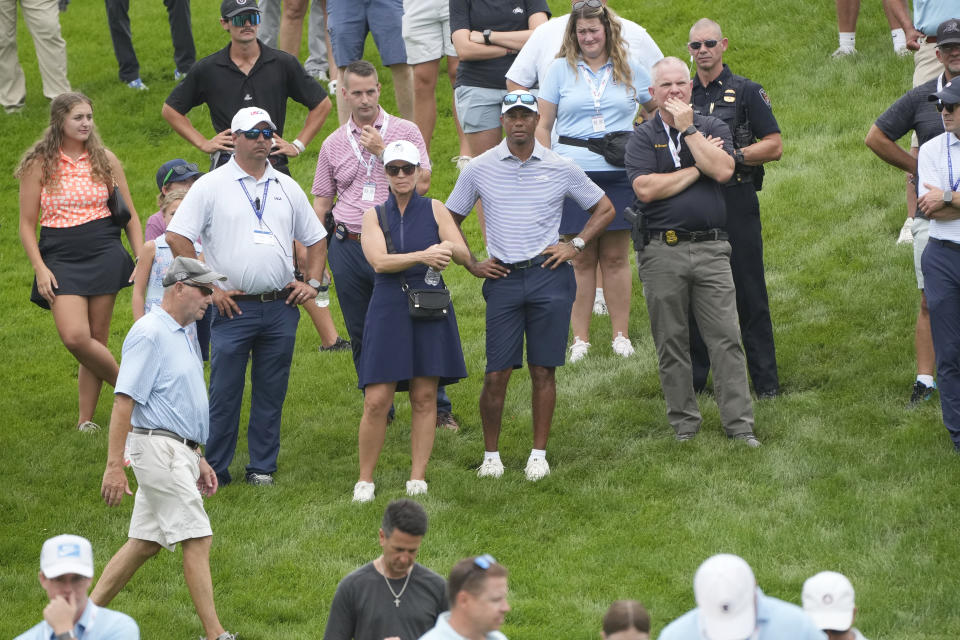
x=847, y=479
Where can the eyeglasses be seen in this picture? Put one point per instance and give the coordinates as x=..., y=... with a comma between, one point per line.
x=522, y=98
x=697, y=44
x=239, y=19
x=180, y=170
x=486, y=561
x=394, y=170
x=946, y=106
x=253, y=134
x=207, y=291
x=593, y=4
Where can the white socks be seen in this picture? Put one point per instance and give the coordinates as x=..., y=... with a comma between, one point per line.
x=849, y=40
x=926, y=380
x=899, y=39
x=491, y=455
x=538, y=453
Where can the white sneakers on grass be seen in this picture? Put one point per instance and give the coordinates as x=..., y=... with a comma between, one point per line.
x=578, y=350
x=363, y=491
x=906, y=232
x=622, y=346
x=416, y=487
x=843, y=52
x=537, y=468
x=491, y=468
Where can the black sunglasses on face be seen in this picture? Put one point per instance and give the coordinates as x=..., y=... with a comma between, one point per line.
x=253, y=134
x=697, y=44
x=394, y=170
x=946, y=106
x=252, y=18
x=207, y=291
x=180, y=170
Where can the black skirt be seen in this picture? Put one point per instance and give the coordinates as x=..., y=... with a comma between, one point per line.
x=87, y=260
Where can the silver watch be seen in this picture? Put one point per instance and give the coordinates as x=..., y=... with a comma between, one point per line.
x=316, y=284
x=578, y=244
x=947, y=196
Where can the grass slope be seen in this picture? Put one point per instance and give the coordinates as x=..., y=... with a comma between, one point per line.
x=847, y=479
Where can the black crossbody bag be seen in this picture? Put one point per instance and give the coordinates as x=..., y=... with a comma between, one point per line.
x=423, y=304
x=119, y=212
x=612, y=146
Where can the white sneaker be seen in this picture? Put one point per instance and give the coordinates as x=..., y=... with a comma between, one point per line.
x=537, y=468
x=600, y=304
x=363, y=491
x=416, y=487
x=903, y=52
x=906, y=233
x=88, y=427
x=578, y=349
x=461, y=161
x=332, y=89
x=490, y=468
x=843, y=52
x=622, y=346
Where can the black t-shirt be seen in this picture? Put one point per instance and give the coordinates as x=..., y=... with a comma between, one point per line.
x=719, y=100
x=496, y=15
x=217, y=82
x=913, y=112
x=698, y=207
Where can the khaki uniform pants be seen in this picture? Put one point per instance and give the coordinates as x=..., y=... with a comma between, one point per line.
x=42, y=18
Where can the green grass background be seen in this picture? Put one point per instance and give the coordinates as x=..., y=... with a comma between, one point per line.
x=847, y=479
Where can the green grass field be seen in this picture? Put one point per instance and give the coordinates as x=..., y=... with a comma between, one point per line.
x=847, y=479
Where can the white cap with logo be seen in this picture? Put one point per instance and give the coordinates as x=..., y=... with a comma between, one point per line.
x=726, y=594
x=401, y=150
x=248, y=118
x=66, y=554
x=828, y=599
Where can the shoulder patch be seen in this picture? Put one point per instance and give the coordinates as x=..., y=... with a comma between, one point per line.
x=766, y=98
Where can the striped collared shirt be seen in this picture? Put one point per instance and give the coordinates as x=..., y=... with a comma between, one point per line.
x=522, y=201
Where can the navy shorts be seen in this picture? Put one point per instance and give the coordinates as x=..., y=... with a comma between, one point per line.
x=616, y=186
x=535, y=301
x=349, y=22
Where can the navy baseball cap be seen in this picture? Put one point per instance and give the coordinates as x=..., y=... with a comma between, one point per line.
x=948, y=32
x=230, y=8
x=950, y=94
x=168, y=173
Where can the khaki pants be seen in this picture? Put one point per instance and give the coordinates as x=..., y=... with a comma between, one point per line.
x=42, y=18
x=696, y=275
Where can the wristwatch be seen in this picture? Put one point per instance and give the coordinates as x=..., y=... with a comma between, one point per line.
x=947, y=196
x=66, y=635
x=738, y=156
x=316, y=284
x=689, y=131
x=578, y=244
x=486, y=36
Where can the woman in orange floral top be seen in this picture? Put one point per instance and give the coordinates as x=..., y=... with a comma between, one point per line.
x=79, y=262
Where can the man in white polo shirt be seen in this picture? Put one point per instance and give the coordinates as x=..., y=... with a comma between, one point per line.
x=529, y=285
x=247, y=216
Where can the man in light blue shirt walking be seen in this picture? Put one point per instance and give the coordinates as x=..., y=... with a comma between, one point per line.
x=66, y=570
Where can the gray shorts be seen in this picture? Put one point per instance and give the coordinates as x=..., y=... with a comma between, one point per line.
x=426, y=30
x=478, y=108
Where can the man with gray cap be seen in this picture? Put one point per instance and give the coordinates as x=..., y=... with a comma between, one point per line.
x=828, y=600
x=66, y=569
x=160, y=411
x=247, y=215
x=730, y=606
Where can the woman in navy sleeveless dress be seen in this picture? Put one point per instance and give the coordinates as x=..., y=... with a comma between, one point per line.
x=401, y=353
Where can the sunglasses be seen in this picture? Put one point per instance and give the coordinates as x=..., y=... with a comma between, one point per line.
x=486, y=561
x=946, y=106
x=240, y=19
x=207, y=291
x=593, y=4
x=522, y=98
x=253, y=134
x=180, y=170
x=394, y=170
x=696, y=45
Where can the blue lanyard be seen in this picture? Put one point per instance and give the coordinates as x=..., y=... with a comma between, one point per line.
x=263, y=200
x=953, y=185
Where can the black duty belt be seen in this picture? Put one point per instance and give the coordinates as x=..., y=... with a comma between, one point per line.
x=166, y=434
x=526, y=264
x=946, y=243
x=672, y=237
x=269, y=296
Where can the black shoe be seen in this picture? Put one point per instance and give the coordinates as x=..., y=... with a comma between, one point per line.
x=921, y=393
x=339, y=345
x=768, y=394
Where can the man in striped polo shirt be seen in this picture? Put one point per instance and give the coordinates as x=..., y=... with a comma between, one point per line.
x=528, y=281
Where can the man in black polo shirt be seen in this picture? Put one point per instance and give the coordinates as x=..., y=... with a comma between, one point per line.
x=914, y=111
x=246, y=73
x=745, y=108
x=677, y=163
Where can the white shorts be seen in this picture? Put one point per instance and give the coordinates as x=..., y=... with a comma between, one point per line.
x=426, y=30
x=920, y=228
x=168, y=507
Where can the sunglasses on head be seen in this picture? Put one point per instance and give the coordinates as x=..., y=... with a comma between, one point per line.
x=946, y=106
x=394, y=170
x=180, y=170
x=207, y=291
x=593, y=4
x=253, y=134
x=697, y=44
x=522, y=98
x=486, y=561
x=241, y=18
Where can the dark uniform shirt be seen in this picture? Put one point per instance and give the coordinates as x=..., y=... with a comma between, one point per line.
x=720, y=99
x=698, y=207
x=913, y=112
x=218, y=82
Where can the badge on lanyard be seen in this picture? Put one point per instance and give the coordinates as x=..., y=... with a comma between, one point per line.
x=369, y=192
x=598, y=124
x=262, y=236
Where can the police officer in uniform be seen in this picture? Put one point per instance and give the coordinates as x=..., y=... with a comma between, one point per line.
x=744, y=106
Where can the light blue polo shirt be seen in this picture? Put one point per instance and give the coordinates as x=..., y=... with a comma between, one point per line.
x=96, y=623
x=569, y=90
x=928, y=14
x=776, y=620
x=163, y=373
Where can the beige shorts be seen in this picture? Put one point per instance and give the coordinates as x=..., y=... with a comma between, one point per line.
x=426, y=30
x=168, y=507
x=920, y=228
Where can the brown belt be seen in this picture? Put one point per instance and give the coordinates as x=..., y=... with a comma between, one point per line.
x=930, y=39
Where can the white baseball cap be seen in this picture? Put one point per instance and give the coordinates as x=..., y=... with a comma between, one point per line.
x=828, y=599
x=66, y=554
x=249, y=118
x=519, y=98
x=726, y=594
x=401, y=150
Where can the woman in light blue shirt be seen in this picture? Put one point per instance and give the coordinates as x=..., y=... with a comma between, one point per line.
x=591, y=90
